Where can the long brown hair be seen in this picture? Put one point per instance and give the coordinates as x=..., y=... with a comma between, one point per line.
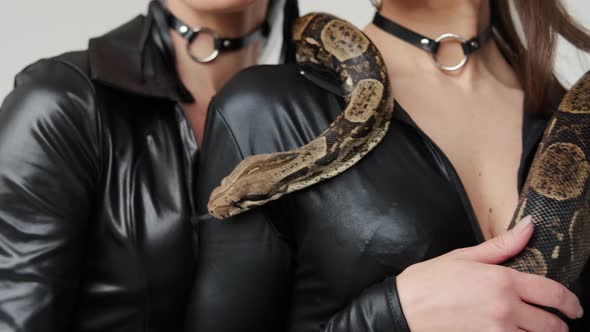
x=541, y=22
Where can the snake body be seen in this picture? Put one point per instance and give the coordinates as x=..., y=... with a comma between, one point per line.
x=556, y=192
x=335, y=44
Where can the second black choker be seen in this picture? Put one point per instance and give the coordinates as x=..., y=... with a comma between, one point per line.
x=432, y=45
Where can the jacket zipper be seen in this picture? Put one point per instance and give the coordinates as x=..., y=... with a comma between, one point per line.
x=186, y=130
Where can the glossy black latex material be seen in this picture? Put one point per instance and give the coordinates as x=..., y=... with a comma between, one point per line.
x=325, y=258
x=97, y=169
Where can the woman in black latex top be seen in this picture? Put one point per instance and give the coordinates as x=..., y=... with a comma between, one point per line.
x=398, y=241
x=98, y=152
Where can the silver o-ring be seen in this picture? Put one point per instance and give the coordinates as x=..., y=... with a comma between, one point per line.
x=463, y=61
x=213, y=55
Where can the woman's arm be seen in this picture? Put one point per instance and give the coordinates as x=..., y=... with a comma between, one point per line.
x=243, y=284
x=243, y=277
x=243, y=267
x=48, y=169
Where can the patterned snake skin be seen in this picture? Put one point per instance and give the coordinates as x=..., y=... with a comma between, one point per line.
x=556, y=193
x=340, y=46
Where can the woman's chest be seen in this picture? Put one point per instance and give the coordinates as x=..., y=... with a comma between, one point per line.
x=139, y=255
x=398, y=206
x=481, y=133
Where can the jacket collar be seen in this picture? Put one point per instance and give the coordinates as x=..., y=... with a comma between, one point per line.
x=138, y=57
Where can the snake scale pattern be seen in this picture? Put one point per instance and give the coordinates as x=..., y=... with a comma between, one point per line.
x=556, y=192
x=335, y=44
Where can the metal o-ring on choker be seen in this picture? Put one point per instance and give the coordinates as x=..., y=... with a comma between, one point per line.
x=192, y=36
x=432, y=46
x=219, y=44
x=459, y=65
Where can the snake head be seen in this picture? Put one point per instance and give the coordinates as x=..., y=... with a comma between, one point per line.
x=252, y=183
x=228, y=201
x=221, y=210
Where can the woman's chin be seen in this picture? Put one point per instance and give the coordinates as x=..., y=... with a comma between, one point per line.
x=221, y=6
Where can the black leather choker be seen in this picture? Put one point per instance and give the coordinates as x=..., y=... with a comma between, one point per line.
x=219, y=44
x=432, y=45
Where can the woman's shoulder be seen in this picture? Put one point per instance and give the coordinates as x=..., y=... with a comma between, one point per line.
x=276, y=107
x=52, y=98
x=68, y=70
x=48, y=83
x=264, y=85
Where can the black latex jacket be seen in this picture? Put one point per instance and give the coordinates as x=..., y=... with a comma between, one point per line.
x=325, y=258
x=97, y=169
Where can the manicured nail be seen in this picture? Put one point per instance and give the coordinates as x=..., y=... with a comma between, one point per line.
x=523, y=224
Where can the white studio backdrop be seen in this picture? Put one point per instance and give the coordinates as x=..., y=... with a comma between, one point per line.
x=34, y=29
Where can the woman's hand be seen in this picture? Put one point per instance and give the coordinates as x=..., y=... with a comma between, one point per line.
x=465, y=290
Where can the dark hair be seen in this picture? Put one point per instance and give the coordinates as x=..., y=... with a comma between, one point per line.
x=541, y=21
x=291, y=15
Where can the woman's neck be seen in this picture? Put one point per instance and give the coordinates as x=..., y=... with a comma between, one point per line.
x=204, y=80
x=433, y=18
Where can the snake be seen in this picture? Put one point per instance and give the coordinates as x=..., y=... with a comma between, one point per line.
x=556, y=192
x=337, y=45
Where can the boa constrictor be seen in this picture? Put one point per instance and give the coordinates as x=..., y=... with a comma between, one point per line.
x=556, y=192
x=338, y=45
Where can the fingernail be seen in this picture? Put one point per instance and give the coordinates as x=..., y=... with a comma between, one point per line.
x=580, y=312
x=523, y=224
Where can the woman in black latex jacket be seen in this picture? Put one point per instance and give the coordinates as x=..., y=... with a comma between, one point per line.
x=98, y=155
x=398, y=241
